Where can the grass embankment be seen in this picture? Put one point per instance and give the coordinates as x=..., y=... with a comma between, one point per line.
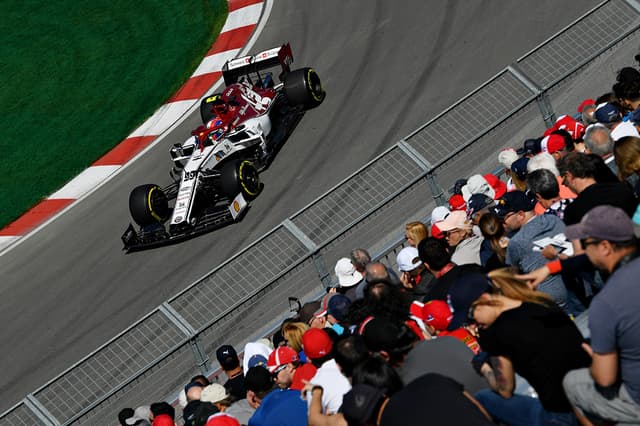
x=79, y=76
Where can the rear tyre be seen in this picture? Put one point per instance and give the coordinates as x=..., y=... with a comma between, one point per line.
x=205, y=107
x=240, y=176
x=303, y=87
x=148, y=204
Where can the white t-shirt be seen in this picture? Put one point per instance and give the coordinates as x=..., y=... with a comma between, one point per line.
x=626, y=128
x=334, y=386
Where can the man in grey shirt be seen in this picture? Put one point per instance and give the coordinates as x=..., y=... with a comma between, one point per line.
x=516, y=211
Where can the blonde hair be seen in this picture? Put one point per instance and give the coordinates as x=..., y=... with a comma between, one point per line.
x=627, y=156
x=292, y=332
x=417, y=231
x=506, y=284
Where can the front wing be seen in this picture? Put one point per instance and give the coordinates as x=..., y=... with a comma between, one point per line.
x=210, y=219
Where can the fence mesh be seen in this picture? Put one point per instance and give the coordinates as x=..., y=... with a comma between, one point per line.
x=360, y=194
x=110, y=366
x=568, y=50
x=238, y=278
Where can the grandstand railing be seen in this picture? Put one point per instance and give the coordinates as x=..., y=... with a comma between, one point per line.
x=248, y=295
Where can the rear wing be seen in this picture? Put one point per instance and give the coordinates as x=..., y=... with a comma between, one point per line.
x=235, y=68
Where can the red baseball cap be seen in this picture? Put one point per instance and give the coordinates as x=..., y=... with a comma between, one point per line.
x=456, y=202
x=585, y=103
x=222, y=419
x=499, y=187
x=552, y=143
x=281, y=356
x=437, y=314
x=316, y=343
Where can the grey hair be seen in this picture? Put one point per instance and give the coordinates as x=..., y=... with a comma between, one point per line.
x=598, y=140
x=543, y=182
x=360, y=258
x=544, y=160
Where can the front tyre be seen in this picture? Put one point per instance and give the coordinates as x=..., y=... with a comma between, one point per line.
x=240, y=176
x=148, y=204
x=303, y=87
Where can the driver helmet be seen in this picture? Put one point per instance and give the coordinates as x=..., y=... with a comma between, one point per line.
x=219, y=107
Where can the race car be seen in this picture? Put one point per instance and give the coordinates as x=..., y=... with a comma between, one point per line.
x=215, y=171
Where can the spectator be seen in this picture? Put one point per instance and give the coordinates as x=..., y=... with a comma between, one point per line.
x=259, y=349
x=477, y=184
x=435, y=400
x=193, y=391
x=516, y=211
x=627, y=158
x=182, y=396
x=552, y=143
x=610, y=116
x=124, y=414
x=292, y=332
x=506, y=157
x=438, y=214
x=280, y=407
x=222, y=419
x=627, y=88
x=362, y=404
x=319, y=319
x=360, y=258
x=374, y=371
x=459, y=236
x=415, y=232
x=610, y=389
x=230, y=364
x=217, y=395
x=543, y=184
x=499, y=187
x=579, y=173
x=566, y=123
x=318, y=347
x=337, y=309
x=141, y=416
x=457, y=284
x=388, y=338
x=478, y=205
x=350, y=351
x=259, y=383
x=493, y=252
x=522, y=331
x=598, y=140
x=305, y=314
x=162, y=414
x=348, y=278
x=415, y=278
x=282, y=364
x=457, y=202
x=376, y=272
x=437, y=316
x=519, y=173
x=546, y=161
x=586, y=109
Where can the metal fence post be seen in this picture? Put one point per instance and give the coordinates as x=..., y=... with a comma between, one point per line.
x=437, y=192
x=544, y=104
x=40, y=411
x=318, y=259
x=200, y=355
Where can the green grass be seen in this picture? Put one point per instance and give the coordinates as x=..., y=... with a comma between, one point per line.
x=79, y=76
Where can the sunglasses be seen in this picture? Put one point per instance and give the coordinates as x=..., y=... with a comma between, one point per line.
x=585, y=243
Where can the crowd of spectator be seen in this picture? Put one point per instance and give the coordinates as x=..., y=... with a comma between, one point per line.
x=478, y=321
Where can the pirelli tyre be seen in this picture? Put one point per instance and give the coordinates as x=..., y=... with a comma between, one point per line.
x=206, y=108
x=240, y=176
x=148, y=204
x=303, y=87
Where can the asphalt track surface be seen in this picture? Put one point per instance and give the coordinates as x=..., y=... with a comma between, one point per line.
x=387, y=68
